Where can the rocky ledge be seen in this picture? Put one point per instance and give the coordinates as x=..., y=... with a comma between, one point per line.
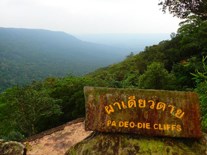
x=127, y=144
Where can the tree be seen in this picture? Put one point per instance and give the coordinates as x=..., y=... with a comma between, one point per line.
x=70, y=91
x=193, y=34
x=27, y=108
x=184, y=8
x=131, y=79
x=156, y=77
x=201, y=79
x=130, y=55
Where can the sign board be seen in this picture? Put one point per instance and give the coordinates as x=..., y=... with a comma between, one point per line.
x=144, y=112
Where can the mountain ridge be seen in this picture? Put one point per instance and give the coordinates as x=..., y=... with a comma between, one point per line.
x=34, y=54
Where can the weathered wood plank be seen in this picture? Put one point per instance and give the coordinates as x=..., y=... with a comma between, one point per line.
x=145, y=112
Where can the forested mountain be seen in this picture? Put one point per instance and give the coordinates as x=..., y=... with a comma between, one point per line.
x=31, y=54
x=176, y=64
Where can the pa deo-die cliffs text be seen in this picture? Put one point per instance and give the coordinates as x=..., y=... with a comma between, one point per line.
x=32, y=54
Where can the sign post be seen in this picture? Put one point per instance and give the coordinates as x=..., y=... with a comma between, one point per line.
x=144, y=112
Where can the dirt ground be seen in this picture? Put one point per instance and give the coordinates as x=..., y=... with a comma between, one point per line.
x=57, y=140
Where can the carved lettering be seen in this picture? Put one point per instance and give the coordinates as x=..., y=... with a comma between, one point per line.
x=118, y=104
x=132, y=102
x=161, y=105
x=124, y=105
x=179, y=113
x=144, y=125
x=109, y=109
x=152, y=106
x=142, y=103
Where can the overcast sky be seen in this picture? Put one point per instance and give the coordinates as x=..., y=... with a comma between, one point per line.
x=88, y=16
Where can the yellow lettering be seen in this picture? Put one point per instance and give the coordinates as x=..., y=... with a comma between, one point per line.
x=152, y=106
x=155, y=126
x=139, y=125
x=161, y=105
x=179, y=113
x=109, y=109
x=108, y=122
x=160, y=127
x=121, y=123
x=172, y=108
x=143, y=125
x=168, y=127
x=113, y=123
x=123, y=105
x=131, y=124
x=147, y=125
x=179, y=128
x=142, y=103
x=126, y=124
x=118, y=105
x=173, y=127
x=131, y=102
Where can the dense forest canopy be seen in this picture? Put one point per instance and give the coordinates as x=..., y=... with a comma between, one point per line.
x=176, y=64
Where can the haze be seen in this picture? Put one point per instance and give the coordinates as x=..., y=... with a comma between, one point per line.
x=88, y=16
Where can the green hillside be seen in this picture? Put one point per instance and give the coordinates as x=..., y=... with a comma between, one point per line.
x=30, y=54
x=167, y=65
x=176, y=64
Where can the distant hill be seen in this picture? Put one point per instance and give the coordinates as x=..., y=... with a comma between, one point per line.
x=135, y=42
x=33, y=54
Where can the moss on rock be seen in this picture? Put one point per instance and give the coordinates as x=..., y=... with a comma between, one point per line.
x=11, y=148
x=125, y=144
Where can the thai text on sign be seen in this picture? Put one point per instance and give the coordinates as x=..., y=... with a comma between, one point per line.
x=148, y=112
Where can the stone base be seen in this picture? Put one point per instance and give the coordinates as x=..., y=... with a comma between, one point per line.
x=125, y=144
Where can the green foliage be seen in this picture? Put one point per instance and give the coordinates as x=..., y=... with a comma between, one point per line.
x=201, y=76
x=28, y=110
x=201, y=89
x=27, y=107
x=192, y=34
x=156, y=77
x=14, y=136
x=70, y=91
x=183, y=71
x=184, y=8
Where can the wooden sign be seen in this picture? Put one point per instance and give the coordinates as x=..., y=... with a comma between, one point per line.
x=145, y=112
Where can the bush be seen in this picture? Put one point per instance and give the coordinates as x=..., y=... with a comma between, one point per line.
x=201, y=89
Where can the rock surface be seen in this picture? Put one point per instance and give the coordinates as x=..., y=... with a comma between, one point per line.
x=71, y=136
x=57, y=140
x=125, y=144
x=11, y=148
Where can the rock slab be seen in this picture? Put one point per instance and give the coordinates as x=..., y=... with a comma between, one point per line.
x=128, y=144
